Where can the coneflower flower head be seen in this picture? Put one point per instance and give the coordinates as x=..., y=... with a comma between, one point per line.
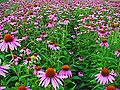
x=105, y=75
x=9, y=41
x=65, y=71
x=50, y=76
x=117, y=53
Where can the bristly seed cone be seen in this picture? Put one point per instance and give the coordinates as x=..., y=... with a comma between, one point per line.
x=65, y=67
x=8, y=38
x=111, y=88
x=50, y=72
x=105, y=72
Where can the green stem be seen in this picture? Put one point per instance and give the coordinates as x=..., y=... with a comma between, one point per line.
x=15, y=67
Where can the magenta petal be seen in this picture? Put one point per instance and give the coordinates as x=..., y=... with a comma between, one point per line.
x=6, y=67
x=2, y=73
x=101, y=44
x=53, y=83
x=58, y=80
x=2, y=88
x=106, y=44
x=47, y=82
x=42, y=79
x=3, y=46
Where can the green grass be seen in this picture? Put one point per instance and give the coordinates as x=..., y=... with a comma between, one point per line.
x=2, y=1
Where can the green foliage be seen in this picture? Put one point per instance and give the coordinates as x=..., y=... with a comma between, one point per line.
x=72, y=46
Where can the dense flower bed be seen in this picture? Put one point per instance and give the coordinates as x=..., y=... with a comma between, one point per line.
x=59, y=45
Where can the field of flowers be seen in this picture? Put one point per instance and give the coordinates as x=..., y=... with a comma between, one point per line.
x=60, y=45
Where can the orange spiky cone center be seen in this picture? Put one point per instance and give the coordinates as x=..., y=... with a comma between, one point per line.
x=104, y=40
x=101, y=31
x=8, y=38
x=105, y=72
x=22, y=88
x=37, y=68
x=119, y=50
x=28, y=58
x=111, y=88
x=65, y=67
x=50, y=72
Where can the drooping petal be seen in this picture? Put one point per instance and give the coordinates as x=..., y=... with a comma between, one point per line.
x=10, y=46
x=6, y=67
x=17, y=44
x=58, y=80
x=47, y=82
x=3, y=46
x=42, y=79
x=2, y=73
x=53, y=83
x=2, y=88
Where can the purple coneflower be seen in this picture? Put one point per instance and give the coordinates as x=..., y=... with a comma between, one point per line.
x=36, y=26
x=5, y=31
x=25, y=37
x=50, y=24
x=117, y=53
x=65, y=71
x=15, y=60
x=37, y=69
x=50, y=76
x=44, y=34
x=104, y=76
x=35, y=57
x=14, y=32
x=52, y=16
x=105, y=25
x=10, y=41
x=66, y=21
x=3, y=70
x=28, y=60
x=87, y=26
x=53, y=46
x=12, y=22
x=25, y=50
x=39, y=38
x=104, y=43
x=80, y=74
x=60, y=21
x=81, y=58
x=102, y=33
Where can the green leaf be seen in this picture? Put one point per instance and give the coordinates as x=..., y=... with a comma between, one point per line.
x=61, y=88
x=8, y=55
x=12, y=68
x=24, y=76
x=76, y=77
x=73, y=88
x=14, y=78
x=96, y=87
x=2, y=56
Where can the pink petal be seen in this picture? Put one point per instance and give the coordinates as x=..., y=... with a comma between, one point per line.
x=2, y=73
x=106, y=44
x=101, y=44
x=3, y=46
x=47, y=82
x=58, y=80
x=53, y=83
x=6, y=67
x=42, y=79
